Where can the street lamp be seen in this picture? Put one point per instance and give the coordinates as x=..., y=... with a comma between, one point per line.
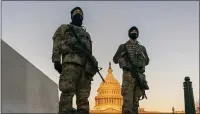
x=188, y=97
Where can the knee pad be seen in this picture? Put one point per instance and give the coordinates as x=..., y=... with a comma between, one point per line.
x=65, y=85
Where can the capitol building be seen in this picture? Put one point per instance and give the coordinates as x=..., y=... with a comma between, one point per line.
x=109, y=99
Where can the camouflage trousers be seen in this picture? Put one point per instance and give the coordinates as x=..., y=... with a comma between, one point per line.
x=131, y=94
x=74, y=81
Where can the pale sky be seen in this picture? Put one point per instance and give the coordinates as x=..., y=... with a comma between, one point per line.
x=168, y=30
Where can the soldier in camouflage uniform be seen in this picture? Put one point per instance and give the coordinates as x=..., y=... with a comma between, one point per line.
x=74, y=80
x=131, y=92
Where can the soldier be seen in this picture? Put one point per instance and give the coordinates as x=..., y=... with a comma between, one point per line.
x=137, y=55
x=74, y=79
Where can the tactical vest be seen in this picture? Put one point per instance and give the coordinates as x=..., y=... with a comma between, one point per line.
x=136, y=54
x=73, y=56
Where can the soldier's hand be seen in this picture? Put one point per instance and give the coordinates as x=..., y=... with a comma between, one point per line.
x=58, y=67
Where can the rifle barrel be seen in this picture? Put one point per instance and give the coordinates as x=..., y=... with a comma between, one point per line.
x=101, y=76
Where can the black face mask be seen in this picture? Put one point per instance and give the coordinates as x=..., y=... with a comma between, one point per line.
x=133, y=35
x=77, y=19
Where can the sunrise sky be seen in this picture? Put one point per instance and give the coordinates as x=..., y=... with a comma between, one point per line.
x=169, y=30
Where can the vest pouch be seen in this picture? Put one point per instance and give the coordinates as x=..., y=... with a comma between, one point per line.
x=73, y=58
x=143, y=81
x=65, y=48
x=123, y=64
x=139, y=60
x=91, y=66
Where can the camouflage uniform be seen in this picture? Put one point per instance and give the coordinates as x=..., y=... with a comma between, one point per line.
x=74, y=80
x=131, y=92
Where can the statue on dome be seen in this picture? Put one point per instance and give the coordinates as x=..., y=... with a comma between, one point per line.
x=132, y=58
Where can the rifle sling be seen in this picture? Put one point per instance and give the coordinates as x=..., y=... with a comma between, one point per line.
x=134, y=72
x=88, y=53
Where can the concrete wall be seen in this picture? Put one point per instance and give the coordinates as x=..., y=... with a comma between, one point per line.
x=25, y=89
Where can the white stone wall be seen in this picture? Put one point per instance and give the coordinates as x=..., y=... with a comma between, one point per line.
x=25, y=89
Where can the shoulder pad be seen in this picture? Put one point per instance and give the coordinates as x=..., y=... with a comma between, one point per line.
x=139, y=43
x=65, y=26
x=122, y=46
x=88, y=34
x=83, y=28
x=141, y=47
x=61, y=30
x=61, y=27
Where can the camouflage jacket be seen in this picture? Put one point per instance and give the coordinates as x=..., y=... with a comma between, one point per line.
x=137, y=54
x=64, y=40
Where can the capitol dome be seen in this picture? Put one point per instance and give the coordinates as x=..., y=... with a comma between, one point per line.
x=109, y=99
x=109, y=94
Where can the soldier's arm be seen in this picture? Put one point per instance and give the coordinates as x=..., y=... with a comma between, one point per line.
x=118, y=54
x=57, y=37
x=146, y=55
x=90, y=42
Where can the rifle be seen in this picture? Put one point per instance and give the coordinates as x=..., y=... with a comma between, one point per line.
x=84, y=49
x=134, y=72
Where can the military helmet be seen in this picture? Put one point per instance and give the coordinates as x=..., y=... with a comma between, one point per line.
x=133, y=28
x=76, y=8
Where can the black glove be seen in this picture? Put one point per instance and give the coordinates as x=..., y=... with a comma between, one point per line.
x=58, y=67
